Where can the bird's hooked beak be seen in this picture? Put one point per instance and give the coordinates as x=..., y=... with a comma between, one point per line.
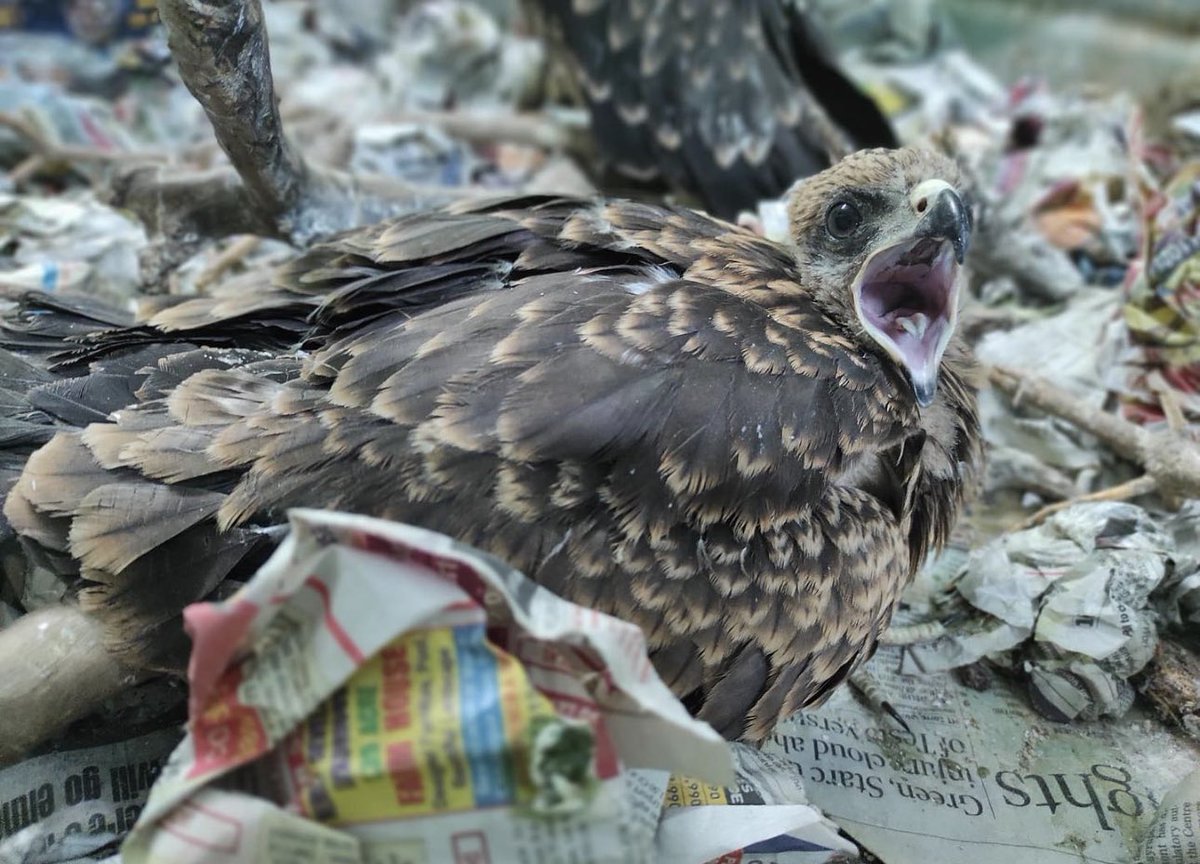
x=906, y=294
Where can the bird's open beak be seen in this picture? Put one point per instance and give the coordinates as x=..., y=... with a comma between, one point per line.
x=906, y=294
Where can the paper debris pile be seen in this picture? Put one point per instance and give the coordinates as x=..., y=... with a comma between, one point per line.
x=378, y=690
x=980, y=777
x=68, y=243
x=1066, y=605
x=1162, y=312
x=333, y=719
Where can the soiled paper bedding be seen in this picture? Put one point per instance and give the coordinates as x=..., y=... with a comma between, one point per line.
x=1067, y=603
x=381, y=693
x=1069, y=611
x=979, y=777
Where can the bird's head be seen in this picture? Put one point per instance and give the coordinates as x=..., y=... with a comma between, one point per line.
x=880, y=238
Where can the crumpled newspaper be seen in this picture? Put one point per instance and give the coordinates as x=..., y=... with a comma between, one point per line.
x=1163, y=309
x=1067, y=604
x=979, y=776
x=1059, y=180
x=924, y=97
x=1030, y=452
x=1047, y=170
x=1174, y=836
x=68, y=243
x=109, y=102
x=373, y=115
x=440, y=55
x=378, y=690
x=454, y=53
x=62, y=118
x=449, y=54
x=1073, y=162
x=75, y=802
x=422, y=154
x=1178, y=600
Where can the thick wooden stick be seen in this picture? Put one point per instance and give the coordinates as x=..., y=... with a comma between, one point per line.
x=56, y=671
x=1122, y=437
x=1172, y=686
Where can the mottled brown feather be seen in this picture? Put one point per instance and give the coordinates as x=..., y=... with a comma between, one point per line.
x=728, y=101
x=646, y=409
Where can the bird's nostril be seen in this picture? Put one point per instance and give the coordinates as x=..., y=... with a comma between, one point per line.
x=922, y=204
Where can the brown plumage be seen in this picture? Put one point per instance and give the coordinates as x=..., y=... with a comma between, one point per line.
x=647, y=410
x=726, y=101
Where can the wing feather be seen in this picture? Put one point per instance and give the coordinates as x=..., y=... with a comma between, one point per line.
x=729, y=102
x=639, y=406
x=118, y=523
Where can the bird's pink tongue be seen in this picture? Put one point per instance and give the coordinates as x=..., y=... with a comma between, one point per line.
x=912, y=316
x=907, y=297
x=917, y=338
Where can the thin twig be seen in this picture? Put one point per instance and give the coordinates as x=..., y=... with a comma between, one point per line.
x=1168, y=397
x=229, y=257
x=1121, y=436
x=48, y=155
x=27, y=169
x=1134, y=488
x=1169, y=458
x=1172, y=686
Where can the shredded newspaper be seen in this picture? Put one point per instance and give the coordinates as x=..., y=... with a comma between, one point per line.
x=382, y=693
x=379, y=693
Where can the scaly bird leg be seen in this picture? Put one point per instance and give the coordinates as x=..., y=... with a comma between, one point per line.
x=224, y=60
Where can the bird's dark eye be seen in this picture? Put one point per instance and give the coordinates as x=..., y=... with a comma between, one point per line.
x=843, y=219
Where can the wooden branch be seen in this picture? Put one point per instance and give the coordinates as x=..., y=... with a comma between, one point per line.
x=1172, y=686
x=1170, y=459
x=57, y=670
x=46, y=155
